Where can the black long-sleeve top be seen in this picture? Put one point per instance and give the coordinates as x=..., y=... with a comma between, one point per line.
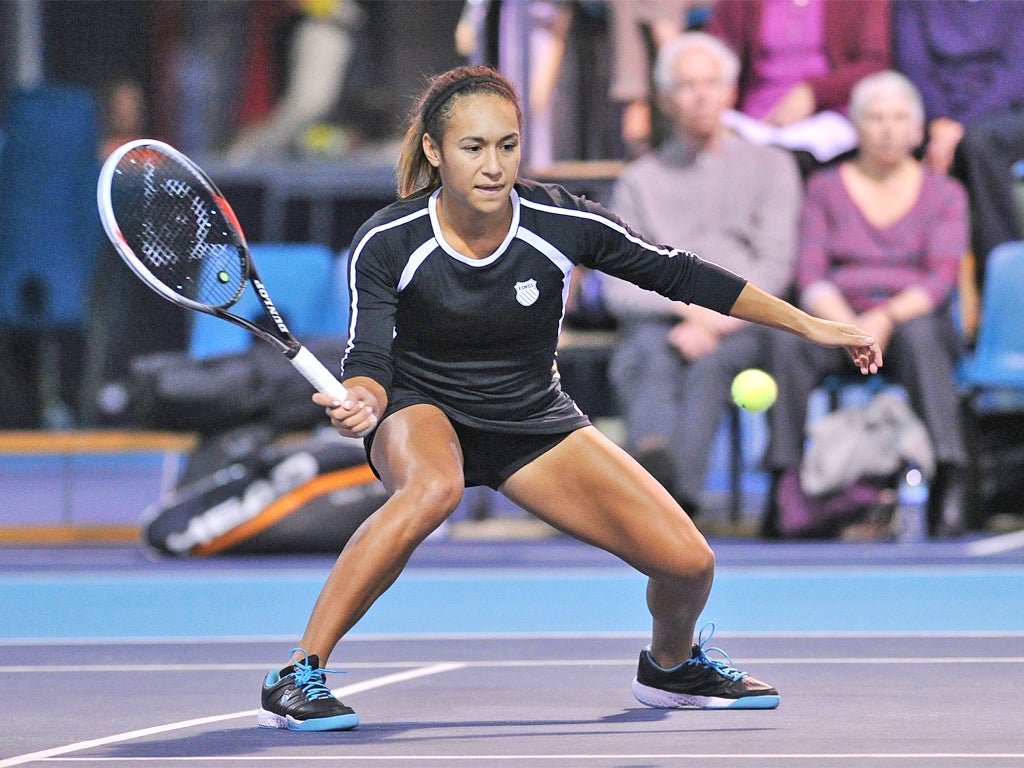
x=479, y=336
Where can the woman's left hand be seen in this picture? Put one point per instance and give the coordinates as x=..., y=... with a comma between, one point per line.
x=863, y=348
x=878, y=325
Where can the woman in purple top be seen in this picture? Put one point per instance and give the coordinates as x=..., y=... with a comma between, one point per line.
x=881, y=238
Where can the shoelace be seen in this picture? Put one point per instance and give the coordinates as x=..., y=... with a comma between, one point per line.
x=309, y=680
x=724, y=668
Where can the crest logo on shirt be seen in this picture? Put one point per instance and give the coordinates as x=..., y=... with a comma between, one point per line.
x=526, y=292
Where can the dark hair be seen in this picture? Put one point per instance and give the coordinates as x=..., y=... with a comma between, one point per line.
x=431, y=115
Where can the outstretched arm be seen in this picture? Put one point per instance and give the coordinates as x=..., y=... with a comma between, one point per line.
x=757, y=306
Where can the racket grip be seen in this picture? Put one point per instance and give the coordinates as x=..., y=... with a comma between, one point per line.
x=323, y=380
x=316, y=373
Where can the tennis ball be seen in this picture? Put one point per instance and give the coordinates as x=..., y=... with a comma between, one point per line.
x=754, y=390
x=223, y=276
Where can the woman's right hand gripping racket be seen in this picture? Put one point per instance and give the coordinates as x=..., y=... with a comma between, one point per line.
x=175, y=230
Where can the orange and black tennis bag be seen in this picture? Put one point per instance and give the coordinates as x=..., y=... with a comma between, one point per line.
x=249, y=492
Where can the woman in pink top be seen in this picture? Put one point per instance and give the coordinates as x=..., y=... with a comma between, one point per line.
x=799, y=61
x=802, y=56
x=881, y=239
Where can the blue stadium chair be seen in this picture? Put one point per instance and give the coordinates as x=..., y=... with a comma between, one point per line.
x=50, y=237
x=992, y=380
x=306, y=282
x=49, y=229
x=993, y=375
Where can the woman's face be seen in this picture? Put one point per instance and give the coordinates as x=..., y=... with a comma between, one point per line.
x=888, y=128
x=478, y=158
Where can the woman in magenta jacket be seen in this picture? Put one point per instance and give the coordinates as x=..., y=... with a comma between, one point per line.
x=802, y=56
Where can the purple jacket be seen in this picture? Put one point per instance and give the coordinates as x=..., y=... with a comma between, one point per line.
x=965, y=56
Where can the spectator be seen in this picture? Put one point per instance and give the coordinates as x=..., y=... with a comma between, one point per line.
x=532, y=39
x=124, y=114
x=126, y=318
x=965, y=57
x=203, y=52
x=322, y=46
x=881, y=238
x=728, y=197
x=799, y=61
x=639, y=29
x=547, y=48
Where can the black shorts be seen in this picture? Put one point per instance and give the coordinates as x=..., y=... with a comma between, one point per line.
x=490, y=457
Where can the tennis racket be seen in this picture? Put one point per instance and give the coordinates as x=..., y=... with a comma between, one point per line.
x=178, y=234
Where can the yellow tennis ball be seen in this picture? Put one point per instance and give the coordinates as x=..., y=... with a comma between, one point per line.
x=754, y=390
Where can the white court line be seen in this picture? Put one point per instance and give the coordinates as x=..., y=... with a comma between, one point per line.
x=495, y=664
x=996, y=545
x=377, y=682
x=423, y=669
x=689, y=757
x=376, y=637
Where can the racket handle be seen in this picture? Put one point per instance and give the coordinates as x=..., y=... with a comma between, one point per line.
x=316, y=373
x=323, y=380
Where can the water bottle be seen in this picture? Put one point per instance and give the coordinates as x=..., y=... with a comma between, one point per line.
x=912, y=506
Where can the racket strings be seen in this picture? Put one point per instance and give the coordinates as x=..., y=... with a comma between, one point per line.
x=172, y=222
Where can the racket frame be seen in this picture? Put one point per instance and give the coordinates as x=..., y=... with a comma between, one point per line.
x=301, y=358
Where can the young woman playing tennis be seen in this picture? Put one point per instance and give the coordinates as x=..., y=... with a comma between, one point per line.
x=458, y=292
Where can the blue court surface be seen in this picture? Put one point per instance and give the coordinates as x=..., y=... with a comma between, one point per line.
x=518, y=654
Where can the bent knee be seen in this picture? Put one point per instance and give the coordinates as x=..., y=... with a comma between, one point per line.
x=697, y=563
x=434, y=496
x=414, y=511
x=686, y=557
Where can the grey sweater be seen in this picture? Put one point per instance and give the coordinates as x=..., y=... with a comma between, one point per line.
x=737, y=208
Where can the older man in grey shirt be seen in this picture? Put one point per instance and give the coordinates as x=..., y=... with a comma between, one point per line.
x=729, y=201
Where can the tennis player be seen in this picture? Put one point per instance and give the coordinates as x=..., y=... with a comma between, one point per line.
x=458, y=292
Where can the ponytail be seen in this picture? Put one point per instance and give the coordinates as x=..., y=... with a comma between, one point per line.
x=415, y=173
x=432, y=114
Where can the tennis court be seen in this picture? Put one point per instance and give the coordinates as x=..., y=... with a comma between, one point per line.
x=517, y=653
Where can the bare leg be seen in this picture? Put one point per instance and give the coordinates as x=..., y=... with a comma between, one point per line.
x=593, y=490
x=418, y=456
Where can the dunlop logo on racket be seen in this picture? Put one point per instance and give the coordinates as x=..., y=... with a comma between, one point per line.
x=270, y=306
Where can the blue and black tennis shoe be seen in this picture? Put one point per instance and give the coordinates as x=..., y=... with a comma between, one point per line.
x=700, y=682
x=297, y=698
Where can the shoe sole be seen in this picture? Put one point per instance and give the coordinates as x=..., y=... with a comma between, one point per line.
x=659, y=699
x=267, y=719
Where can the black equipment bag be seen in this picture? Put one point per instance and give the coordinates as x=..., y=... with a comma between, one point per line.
x=175, y=391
